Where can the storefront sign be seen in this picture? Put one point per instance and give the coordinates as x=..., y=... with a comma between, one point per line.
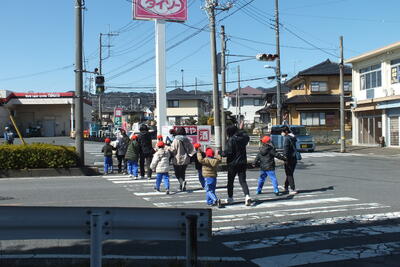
x=175, y=10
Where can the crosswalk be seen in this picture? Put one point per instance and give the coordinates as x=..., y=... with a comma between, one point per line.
x=314, y=226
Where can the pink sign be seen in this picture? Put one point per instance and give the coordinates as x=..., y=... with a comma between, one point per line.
x=175, y=10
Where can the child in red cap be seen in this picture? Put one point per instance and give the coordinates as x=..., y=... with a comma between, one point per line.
x=266, y=160
x=108, y=162
x=198, y=165
x=209, y=169
x=160, y=164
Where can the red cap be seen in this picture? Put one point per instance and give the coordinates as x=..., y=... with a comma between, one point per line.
x=160, y=144
x=196, y=146
x=107, y=140
x=209, y=152
x=265, y=139
x=134, y=137
x=159, y=137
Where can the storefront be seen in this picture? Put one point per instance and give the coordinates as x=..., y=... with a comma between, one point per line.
x=50, y=114
x=392, y=116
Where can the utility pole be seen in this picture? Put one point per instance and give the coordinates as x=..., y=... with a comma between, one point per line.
x=341, y=89
x=195, y=85
x=182, y=71
x=79, y=142
x=278, y=67
x=223, y=88
x=210, y=7
x=238, y=97
x=100, y=72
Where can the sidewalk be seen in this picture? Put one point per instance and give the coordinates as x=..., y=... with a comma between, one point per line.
x=366, y=150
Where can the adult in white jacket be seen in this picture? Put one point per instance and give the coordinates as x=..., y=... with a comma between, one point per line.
x=160, y=164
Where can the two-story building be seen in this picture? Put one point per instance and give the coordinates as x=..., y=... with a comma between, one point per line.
x=314, y=99
x=251, y=100
x=376, y=91
x=183, y=105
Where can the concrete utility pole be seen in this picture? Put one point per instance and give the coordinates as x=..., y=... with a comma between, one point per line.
x=79, y=142
x=223, y=87
x=278, y=67
x=182, y=71
x=100, y=72
x=341, y=89
x=210, y=7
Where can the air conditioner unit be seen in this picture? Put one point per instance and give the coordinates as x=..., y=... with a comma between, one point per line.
x=390, y=91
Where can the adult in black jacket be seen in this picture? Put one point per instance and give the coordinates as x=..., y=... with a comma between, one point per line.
x=236, y=158
x=266, y=160
x=146, y=151
x=122, y=147
x=289, y=151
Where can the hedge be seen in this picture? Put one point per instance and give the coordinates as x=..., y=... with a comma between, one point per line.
x=32, y=156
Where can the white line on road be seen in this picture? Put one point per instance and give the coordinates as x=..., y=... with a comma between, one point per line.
x=364, y=218
x=295, y=239
x=329, y=255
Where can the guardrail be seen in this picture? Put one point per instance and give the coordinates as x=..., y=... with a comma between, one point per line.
x=107, y=223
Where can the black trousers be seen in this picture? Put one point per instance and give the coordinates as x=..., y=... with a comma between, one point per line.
x=145, y=160
x=241, y=172
x=121, y=158
x=290, y=166
x=180, y=172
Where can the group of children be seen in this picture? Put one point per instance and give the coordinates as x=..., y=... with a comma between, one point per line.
x=206, y=164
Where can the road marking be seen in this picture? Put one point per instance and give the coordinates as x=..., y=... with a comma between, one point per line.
x=295, y=239
x=329, y=255
x=241, y=199
x=297, y=212
x=355, y=219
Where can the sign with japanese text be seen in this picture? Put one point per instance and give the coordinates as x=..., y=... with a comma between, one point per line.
x=118, y=112
x=196, y=133
x=175, y=10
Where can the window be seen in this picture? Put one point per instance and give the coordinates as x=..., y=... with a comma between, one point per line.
x=313, y=118
x=258, y=102
x=371, y=77
x=299, y=87
x=347, y=86
x=173, y=103
x=319, y=86
x=395, y=71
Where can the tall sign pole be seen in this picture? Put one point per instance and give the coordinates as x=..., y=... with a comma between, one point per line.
x=161, y=96
x=79, y=143
x=278, y=67
x=160, y=11
x=341, y=89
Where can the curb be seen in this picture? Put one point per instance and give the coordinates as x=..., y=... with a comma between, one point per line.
x=83, y=171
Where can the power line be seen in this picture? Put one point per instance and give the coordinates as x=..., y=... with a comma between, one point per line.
x=37, y=73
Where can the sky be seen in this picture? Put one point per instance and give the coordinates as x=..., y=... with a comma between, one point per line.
x=37, y=48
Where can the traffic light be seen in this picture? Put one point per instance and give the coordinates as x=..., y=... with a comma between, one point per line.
x=99, y=82
x=266, y=57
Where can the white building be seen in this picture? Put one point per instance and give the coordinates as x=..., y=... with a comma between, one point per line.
x=376, y=89
x=251, y=100
x=52, y=112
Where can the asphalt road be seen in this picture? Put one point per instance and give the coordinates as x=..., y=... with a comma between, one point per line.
x=346, y=213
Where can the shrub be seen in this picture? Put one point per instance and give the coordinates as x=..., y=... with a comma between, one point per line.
x=37, y=156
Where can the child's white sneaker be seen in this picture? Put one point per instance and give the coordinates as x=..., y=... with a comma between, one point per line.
x=229, y=200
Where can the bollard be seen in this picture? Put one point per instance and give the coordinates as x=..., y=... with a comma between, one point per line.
x=191, y=241
x=95, y=240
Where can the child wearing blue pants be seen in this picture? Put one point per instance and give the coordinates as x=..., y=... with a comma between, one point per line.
x=266, y=160
x=160, y=164
x=132, y=157
x=209, y=169
x=108, y=162
x=198, y=165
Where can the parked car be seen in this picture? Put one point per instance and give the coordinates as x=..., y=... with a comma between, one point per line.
x=305, y=142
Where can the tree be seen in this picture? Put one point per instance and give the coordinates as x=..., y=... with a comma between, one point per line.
x=190, y=121
x=203, y=120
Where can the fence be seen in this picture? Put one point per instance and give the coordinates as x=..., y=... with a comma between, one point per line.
x=102, y=223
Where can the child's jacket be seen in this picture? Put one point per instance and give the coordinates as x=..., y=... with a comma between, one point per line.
x=108, y=150
x=210, y=165
x=160, y=162
x=265, y=158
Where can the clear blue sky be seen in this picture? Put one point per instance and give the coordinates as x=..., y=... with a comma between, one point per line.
x=37, y=43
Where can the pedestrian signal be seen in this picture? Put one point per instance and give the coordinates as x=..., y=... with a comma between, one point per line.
x=99, y=82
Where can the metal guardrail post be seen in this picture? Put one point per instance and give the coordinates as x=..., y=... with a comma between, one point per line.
x=95, y=240
x=191, y=241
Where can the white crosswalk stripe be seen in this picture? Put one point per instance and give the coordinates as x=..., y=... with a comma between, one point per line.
x=284, y=222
